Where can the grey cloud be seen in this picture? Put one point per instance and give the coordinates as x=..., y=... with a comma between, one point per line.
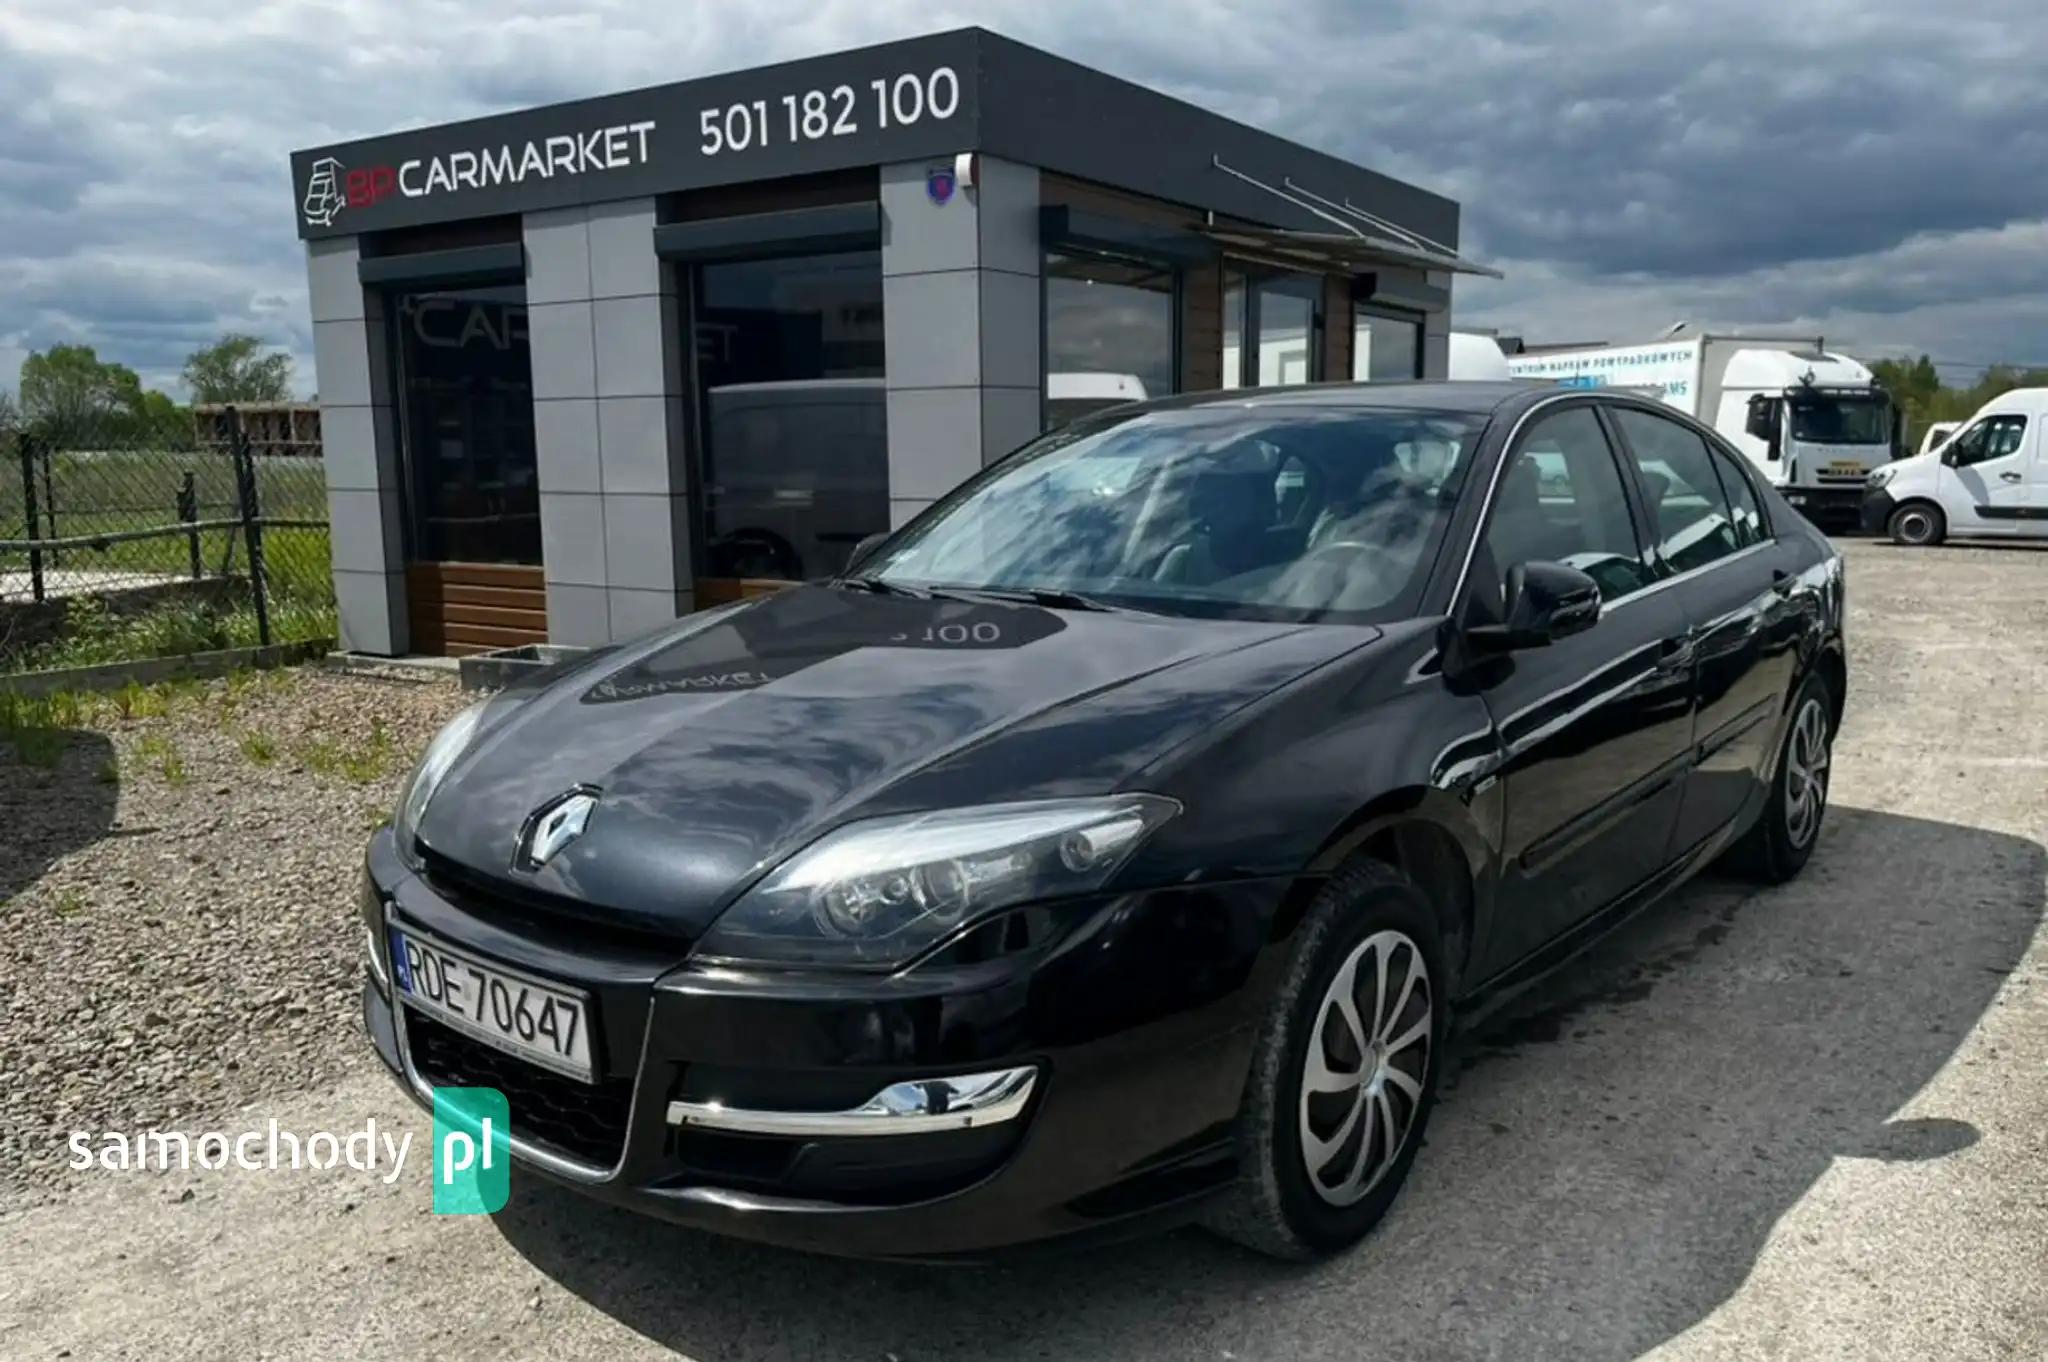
x=1873, y=165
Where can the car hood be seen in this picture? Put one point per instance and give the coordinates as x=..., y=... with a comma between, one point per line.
x=717, y=747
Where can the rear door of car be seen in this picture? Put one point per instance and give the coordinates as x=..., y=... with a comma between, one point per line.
x=1715, y=549
x=1596, y=728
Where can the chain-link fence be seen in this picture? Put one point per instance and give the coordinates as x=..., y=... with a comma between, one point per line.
x=124, y=539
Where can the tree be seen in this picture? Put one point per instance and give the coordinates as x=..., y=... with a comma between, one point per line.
x=10, y=417
x=1917, y=388
x=234, y=369
x=68, y=392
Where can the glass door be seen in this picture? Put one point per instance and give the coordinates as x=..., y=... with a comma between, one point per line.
x=793, y=445
x=1272, y=328
x=464, y=380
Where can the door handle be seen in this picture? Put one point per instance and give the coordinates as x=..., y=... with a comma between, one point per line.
x=2008, y=477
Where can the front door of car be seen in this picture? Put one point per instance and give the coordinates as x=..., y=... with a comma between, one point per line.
x=1735, y=582
x=1984, y=475
x=1594, y=728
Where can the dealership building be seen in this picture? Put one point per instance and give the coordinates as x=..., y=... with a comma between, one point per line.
x=586, y=368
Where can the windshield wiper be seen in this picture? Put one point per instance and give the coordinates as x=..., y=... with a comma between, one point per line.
x=881, y=588
x=1052, y=598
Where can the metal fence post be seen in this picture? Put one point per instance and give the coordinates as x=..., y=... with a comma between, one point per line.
x=50, y=498
x=28, y=503
x=252, y=524
x=188, y=511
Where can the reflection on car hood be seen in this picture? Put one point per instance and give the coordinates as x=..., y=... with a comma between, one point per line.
x=718, y=748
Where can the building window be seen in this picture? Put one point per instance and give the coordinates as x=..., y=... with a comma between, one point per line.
x=1109, y=333
x=465, y=410
x=1283, y=315
x=794, y=452
x=1385, y=346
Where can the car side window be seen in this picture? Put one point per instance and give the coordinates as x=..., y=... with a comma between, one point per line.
x=1994, y=437
x=1750, y=525
x=1561, y=500
x=1689, y=512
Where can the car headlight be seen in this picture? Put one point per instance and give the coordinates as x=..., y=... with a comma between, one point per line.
x=441, y=753
x=1880, y=476
x=883, y=890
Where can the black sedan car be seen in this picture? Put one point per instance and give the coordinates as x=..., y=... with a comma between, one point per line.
x=1117, y=842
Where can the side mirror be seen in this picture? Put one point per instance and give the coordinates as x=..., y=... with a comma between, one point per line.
x=1762, y=420
x=866, y=546
x=1543, y=602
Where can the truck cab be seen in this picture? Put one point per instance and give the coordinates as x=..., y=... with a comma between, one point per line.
x=1816, y=423
x=1813, y=421
x=1987, y=481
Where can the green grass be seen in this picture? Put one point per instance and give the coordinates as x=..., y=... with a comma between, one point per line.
x=132, y=489
x=259, y=748
x=43, y=747
x=99, y=492
x=94, y=635
x=163, y=754
x=39, y=728
x=362, y=765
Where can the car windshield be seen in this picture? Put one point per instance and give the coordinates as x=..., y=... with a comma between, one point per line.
x=1841, y=421
x=1277, y=513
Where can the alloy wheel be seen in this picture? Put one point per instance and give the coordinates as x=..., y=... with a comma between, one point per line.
x=1368, y=1060
x=1806, y=773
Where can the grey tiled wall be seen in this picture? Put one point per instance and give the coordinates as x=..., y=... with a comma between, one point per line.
x=614, y=482
x=1436, y=333
x=361, y=457
x=960, y=304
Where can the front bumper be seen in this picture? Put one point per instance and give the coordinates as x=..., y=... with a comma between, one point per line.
x=1135, y=1028
x=1825, y=501
x=1878, y=506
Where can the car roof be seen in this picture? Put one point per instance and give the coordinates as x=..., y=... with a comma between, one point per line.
x=1440, y=395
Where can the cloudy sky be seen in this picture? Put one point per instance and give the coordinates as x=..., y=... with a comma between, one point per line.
x=1876, y=170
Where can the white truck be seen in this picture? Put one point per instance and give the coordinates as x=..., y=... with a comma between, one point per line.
x=1815, y=421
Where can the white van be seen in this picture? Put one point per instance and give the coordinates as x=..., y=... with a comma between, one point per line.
x=1988, y=480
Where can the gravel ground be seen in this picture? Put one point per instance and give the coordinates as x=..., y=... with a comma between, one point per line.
x=1805, y=1123
x=171, y=940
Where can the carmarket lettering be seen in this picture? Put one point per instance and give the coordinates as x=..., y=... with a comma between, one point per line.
x=616, y=147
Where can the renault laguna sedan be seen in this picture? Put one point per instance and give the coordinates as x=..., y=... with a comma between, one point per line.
x=1118, y=842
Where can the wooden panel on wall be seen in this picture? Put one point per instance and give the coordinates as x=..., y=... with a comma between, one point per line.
x=1336, y=328
x=1201, y=329
x=712, y=591
x=863, y=184
x=1117, y=203
x=459, y=608
x=444, y=236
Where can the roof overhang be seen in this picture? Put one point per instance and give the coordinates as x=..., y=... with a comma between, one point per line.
x=1340, y=251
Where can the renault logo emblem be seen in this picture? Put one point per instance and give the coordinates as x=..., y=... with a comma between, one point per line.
x=553, y=826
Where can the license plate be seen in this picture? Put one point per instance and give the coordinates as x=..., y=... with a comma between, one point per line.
x=544, y=1023
x=1846, y=466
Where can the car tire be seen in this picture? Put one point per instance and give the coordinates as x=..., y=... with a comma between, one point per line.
x=1313, y=1180
x=1777, y=847
x=1917, y=525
